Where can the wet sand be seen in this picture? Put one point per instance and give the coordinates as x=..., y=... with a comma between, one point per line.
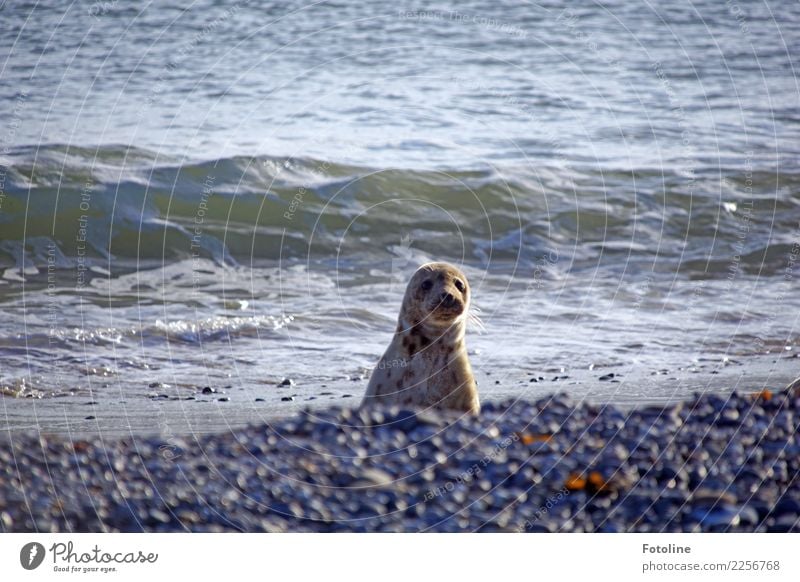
x=165, y=410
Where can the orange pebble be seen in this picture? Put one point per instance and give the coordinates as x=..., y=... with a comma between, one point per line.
x=529, y=439
x=575, y=483
x=597, y=481
x=80, y=446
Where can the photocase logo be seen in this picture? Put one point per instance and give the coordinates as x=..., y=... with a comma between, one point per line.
x=31, y=555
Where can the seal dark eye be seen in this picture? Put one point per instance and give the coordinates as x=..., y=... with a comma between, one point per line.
x=426, y=285
x=460, y=285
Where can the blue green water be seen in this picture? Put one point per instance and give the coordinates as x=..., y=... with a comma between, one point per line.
x=228, y=194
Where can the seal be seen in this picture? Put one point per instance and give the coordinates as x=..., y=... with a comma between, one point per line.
x=426, y=364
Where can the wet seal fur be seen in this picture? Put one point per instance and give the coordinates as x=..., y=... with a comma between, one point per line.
x=426, y=364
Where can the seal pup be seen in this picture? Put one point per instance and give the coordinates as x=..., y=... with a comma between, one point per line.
x=426, y=364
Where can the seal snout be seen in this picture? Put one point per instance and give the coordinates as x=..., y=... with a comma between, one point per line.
x=447, y=300
x=445, y=307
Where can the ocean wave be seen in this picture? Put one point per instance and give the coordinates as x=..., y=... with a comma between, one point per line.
x=181, y=330
x=67, y=207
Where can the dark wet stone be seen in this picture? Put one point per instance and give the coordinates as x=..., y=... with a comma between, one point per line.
x=208, y=390
x=671, y=475
x=714, y=492
x=404, y=420
x=287, y=399
x=607, y=377
x=789, y=523
x=224, y=399
x=749, y=516
x=728, y=417
x=787, y=505
x=720, y=516
x=286, y=382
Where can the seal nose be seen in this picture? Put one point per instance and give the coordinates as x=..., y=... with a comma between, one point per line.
x=447, y=299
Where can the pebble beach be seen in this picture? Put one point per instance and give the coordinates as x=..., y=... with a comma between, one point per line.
x=712, y=464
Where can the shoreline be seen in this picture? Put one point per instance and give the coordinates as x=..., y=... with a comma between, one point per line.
x=710, y=463
x=187, y=409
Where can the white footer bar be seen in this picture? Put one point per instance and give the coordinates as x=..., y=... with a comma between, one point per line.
x=401, y=557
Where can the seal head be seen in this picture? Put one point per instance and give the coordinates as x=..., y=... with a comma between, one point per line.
x=437, y=297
